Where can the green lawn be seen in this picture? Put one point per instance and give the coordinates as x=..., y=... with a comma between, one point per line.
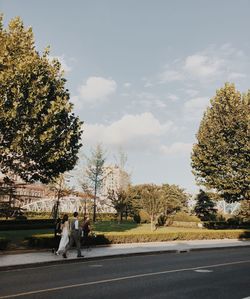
x=17, y=237
x=134, y=228
x=126, y=231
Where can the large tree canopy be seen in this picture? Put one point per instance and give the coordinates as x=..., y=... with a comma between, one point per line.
x=39, y=135
x=221, y=156
x=158, y=200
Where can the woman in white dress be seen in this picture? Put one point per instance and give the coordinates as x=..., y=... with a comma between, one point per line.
x=64, y=235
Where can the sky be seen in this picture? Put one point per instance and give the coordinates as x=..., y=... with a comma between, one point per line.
x=141, y=73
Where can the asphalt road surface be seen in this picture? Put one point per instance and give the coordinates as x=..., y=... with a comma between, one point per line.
x=212, y=274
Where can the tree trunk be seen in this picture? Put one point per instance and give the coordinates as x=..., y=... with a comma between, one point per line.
x=152, y=222
x=94, y=212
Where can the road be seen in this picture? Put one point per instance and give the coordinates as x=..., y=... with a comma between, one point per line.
x=201, y=274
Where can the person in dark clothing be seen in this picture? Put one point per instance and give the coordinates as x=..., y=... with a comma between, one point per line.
x=86, y=229
x=57, y=233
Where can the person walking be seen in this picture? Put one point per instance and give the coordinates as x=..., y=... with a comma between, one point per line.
x=64, y=235
x=75, y=236
x=86, y=229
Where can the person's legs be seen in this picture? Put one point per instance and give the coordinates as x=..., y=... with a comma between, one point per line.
x=69, y=245
x=78, y=243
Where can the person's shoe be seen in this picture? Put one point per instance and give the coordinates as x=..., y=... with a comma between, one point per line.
x=57, y=253
x=64, y=255
x=80, y=256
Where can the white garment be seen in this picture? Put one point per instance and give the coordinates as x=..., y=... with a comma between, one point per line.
x=64, y=238
x=76, y=224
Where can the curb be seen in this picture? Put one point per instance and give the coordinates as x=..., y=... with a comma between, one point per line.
x=87, y=259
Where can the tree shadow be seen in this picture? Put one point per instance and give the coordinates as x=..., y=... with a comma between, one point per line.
x=245, y=236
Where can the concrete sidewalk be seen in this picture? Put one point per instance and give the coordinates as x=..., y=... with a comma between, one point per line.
x=40, y=258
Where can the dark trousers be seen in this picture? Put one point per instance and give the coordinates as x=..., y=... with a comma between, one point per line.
x=74, y=237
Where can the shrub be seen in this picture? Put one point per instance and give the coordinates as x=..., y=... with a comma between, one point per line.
x=184, y=224
x=162, y=220
x=26, y=224
x=106, y=216
x=48, y=241
x=4, y=243
x=144, y=216
x=137, y=218
x=183, y=216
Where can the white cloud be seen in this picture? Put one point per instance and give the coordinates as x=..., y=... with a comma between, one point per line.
x=194, y=108
x=131, y=131
x=177, y=148
x=192, y=92
x=170, y=76
x=76, y=101
x=172, y=97
x=97, y=89
x=127, y=85
x=202, y=65
x=235, y=75
x=215, y=63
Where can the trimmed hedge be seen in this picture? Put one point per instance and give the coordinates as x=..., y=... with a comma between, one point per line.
x=26, y=224
x=4, y=243
x=48, y=241
x=230, y=224
x=185, y=224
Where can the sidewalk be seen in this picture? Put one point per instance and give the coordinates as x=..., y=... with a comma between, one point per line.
x=40, y=258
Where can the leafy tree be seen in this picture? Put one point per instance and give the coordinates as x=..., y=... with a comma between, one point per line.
x=163, y=200
x=149, y=198
x=175, y=199
x=119, y=200
x=61, y=189
x=205, y=207
x=244, y=211
x=39, y=135
x=94, y=174
x=220, y=158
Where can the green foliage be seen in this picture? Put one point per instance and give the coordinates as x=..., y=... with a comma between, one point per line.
x=144, y=217
x=119, y=201
x=162, y=220
x=23, y=224
x=157, y=200
x=94, y=174
x=183, y=216
x=105, y=217
x=175, y=199
x=243, y=212
x=205, y=207
x=39, y=135
x=118, y=238
x=4, y=243
x=220, y=158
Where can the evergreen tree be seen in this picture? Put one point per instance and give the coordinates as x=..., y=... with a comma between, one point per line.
x=39, y=135
x=221, y=156
x=205, y=207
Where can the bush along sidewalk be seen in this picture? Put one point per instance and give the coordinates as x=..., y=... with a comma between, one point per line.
x=48, y=241
x=4, y=243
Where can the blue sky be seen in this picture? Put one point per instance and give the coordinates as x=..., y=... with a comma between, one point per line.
x=141, y=72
